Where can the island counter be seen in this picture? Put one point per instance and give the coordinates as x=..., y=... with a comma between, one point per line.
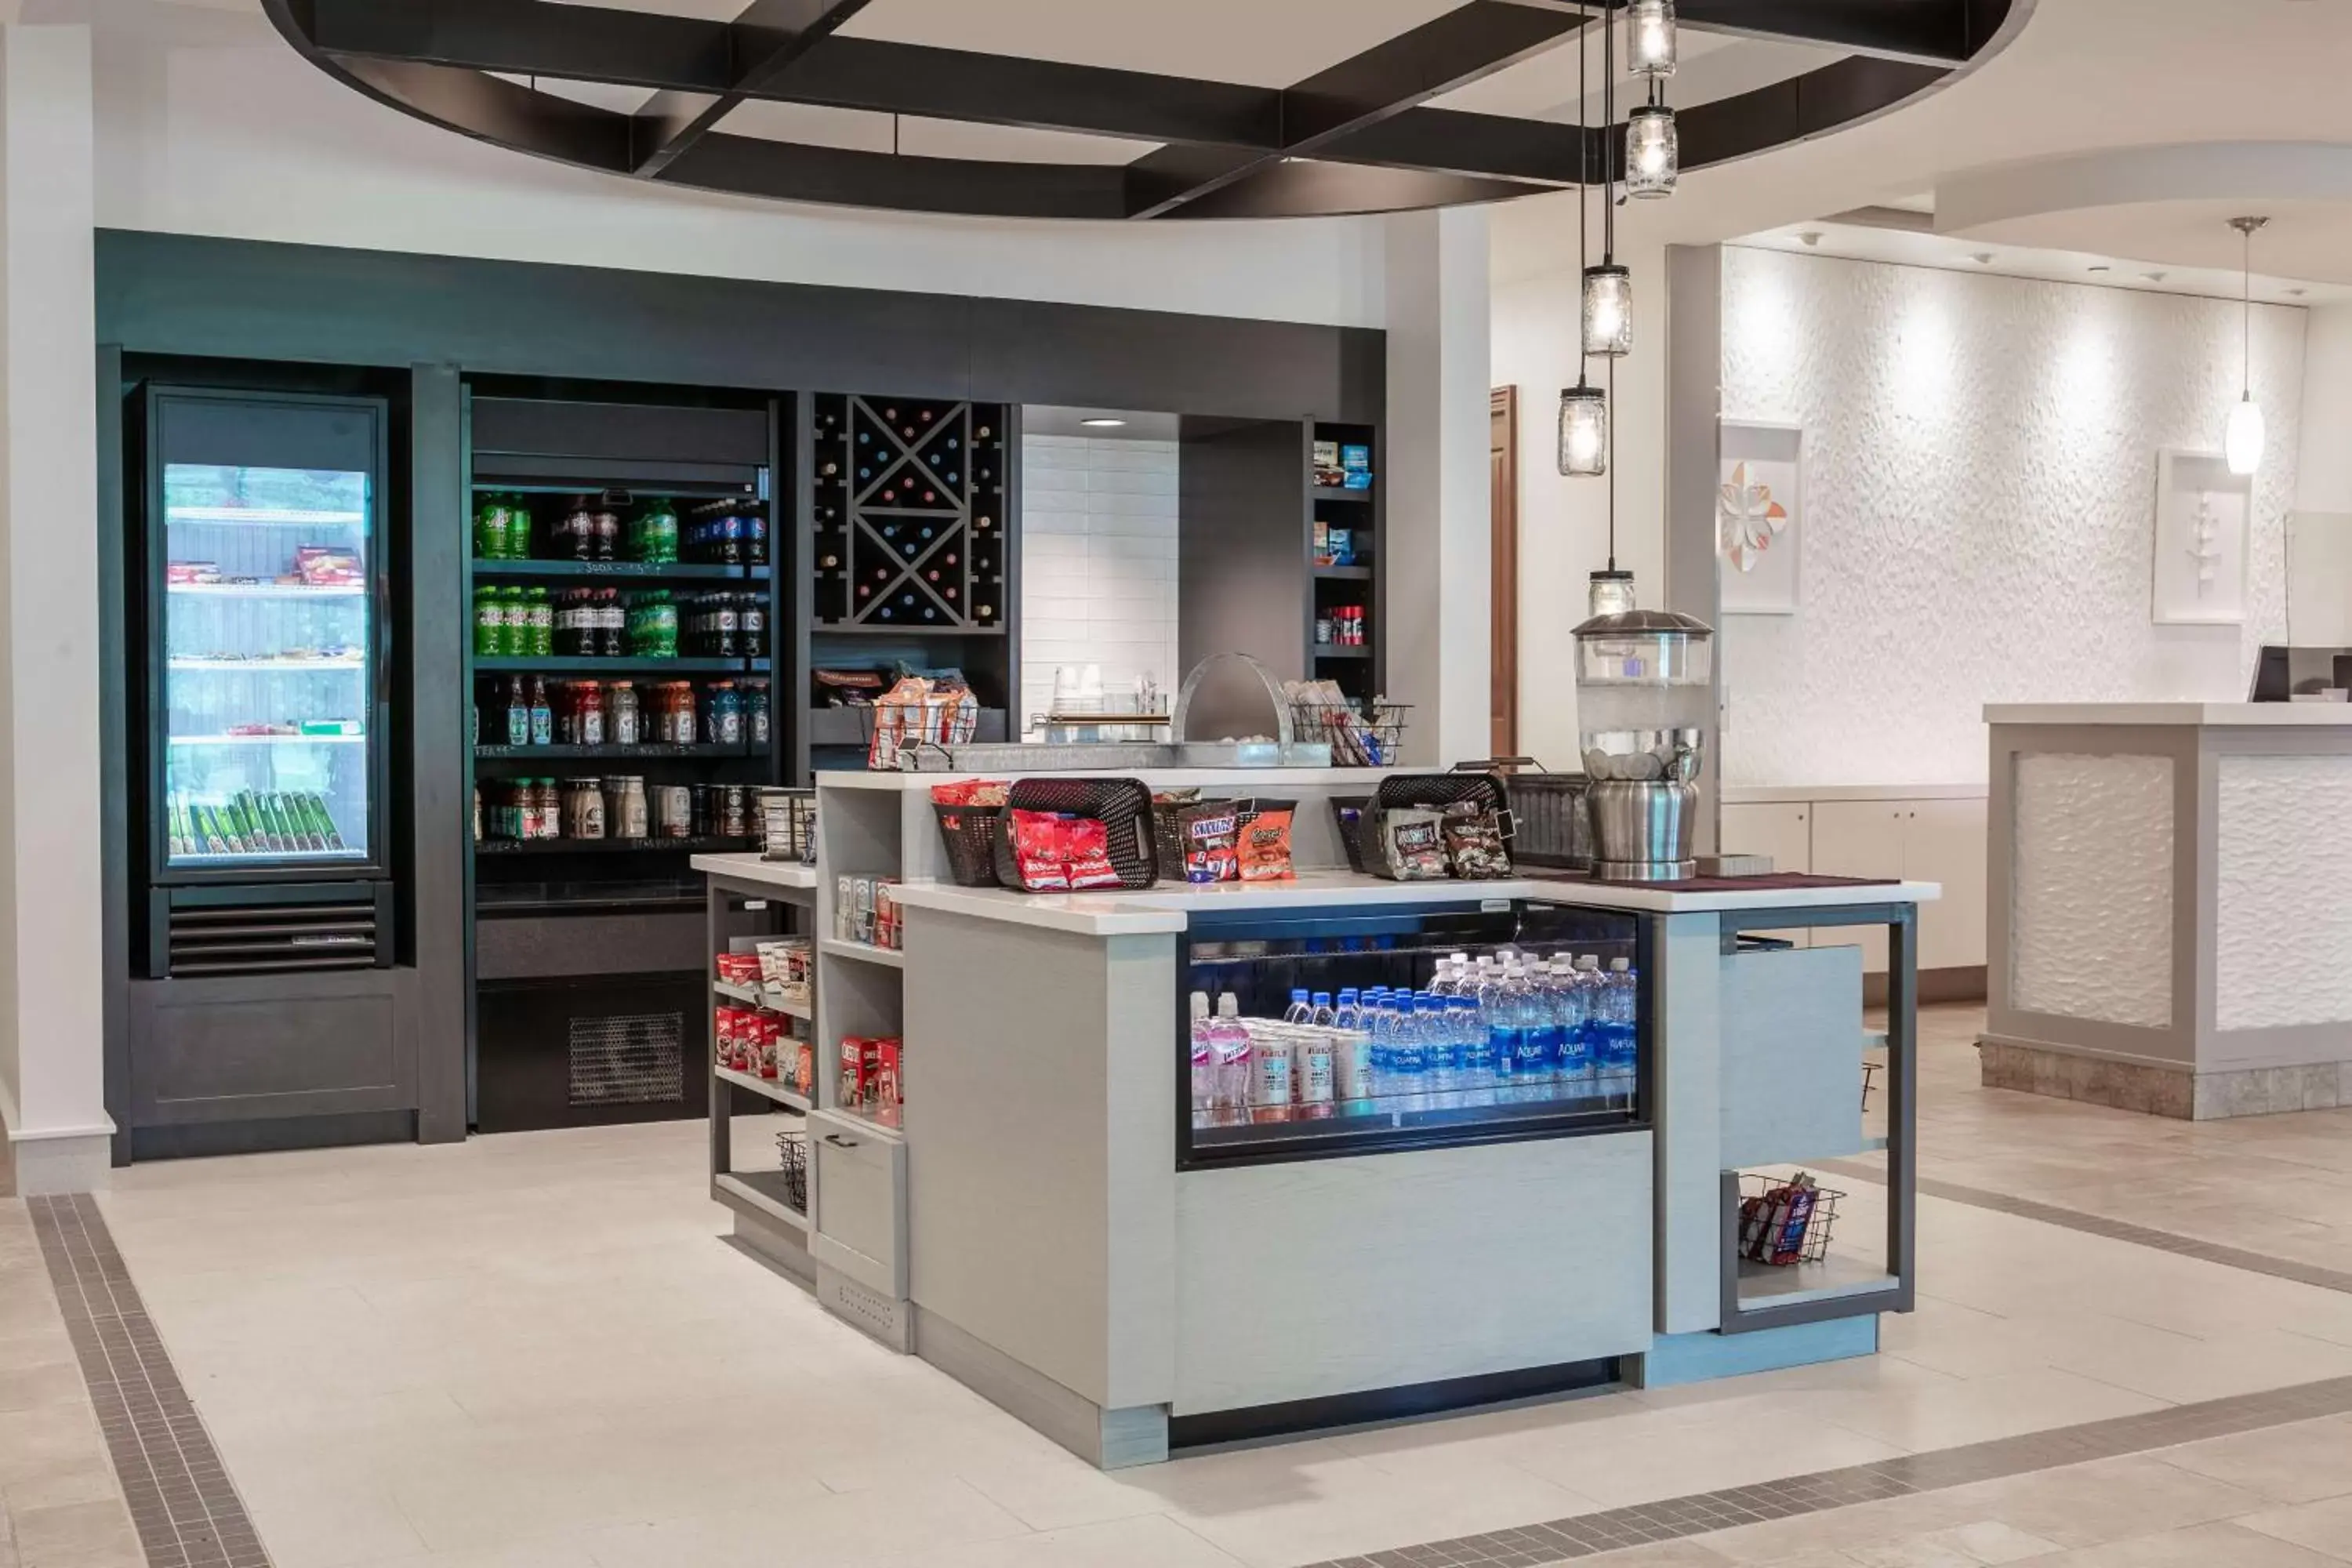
x=2167, y=930
x=1055, y=1224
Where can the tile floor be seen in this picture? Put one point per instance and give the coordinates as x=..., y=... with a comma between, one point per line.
x=528, y=1352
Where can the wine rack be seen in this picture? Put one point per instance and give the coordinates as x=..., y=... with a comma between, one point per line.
x=909, y=515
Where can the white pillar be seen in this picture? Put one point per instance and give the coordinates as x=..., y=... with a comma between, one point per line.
x=2319, y=570
x=52, y=1077
x=1437, y=568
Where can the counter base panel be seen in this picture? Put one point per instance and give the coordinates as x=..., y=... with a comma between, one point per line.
x=1107, y=1439
x=772, y=1245
x=887, y=1320
x=1676, y=1359
x=1446, y=1398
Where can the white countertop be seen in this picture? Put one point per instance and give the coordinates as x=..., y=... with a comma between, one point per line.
x=2220, y=715
x=753, y=868
x=1799, y=795
x=1168, y=906
x=1267, y=779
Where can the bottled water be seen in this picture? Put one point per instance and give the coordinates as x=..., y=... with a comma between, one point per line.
x=1374, y=1020
x=1229, y=1045
x=1524, y=1009
x=1204, y=1059
x=1407, y=1058
x=1498, y=1005
x=1323, y=1013
x=1620, y=1052
x=1349, y=1013
x=1299, y=1010
x=1473, y=1058
x=1451, y=972
x=1544, y=1023
x=1572, y=1004
x=1441, y=1071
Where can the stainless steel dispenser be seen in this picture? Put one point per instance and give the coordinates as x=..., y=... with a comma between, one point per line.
x=1644, y=691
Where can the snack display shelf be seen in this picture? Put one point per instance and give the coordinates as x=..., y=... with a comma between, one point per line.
x=882, y=1130
x=571, y=663
x=270, y=590
x=759, y=1190
x=768, y=1087
x=644, y=751
x=864, y=952
x=754, y=996
x=264, y=517
x=1342, y=650
x=602, y=846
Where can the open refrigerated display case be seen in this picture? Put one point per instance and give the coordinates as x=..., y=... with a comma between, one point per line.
x=1440, y=1082
x=267, y=706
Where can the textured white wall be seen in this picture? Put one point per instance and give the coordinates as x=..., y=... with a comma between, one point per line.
x=1098, y=564
x=2285, y=831
x=2320, y=609
x=2091, y=888
x=1979, y=505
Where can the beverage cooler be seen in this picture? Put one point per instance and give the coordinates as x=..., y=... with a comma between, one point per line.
x=1337, y=1033
x=263, y=732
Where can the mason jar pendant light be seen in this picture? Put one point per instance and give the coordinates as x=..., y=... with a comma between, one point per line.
x=1607, y=317
x=2242, y=442
x=1653, y=157
x=1650, y=38
x=1584, y=431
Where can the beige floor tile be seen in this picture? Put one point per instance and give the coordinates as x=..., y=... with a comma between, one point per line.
x=1976, y=1410
x=1146, y=1543
x=828, y=1530
x=69, y=1535
x=2201, y=1546
x=58, y=1385
x=2324, y=1527
x=2305, y=1462
x=1645, y=1459
x=1986, y=1542
x=2086, y=1505
x=1666, y=1555
x=1833, y=1534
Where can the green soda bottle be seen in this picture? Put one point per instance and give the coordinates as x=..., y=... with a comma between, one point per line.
x=489, y=623
x=514, y=628
x=542, y=623
x=493, y=529
x=518, y=529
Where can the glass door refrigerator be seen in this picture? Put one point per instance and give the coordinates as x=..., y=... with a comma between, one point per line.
x=267, y=711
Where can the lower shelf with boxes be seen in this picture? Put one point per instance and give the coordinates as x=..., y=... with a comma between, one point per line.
x=764, y=1002
x=865, y=909
x=873, y=1077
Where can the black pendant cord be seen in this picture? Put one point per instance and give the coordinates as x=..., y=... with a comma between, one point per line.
x=1584, y=170
x=1612, y=149
x=2246, y=329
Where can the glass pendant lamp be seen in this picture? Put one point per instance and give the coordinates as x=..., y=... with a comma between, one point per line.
x=2242, y=443
x=1608, y=310
x=1653, y=155
x=1584, y=431
x=1650, y=38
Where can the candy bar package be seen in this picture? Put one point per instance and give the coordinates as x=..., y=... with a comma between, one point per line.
x=1413, y=845
x=1474, y=843
x=1212, y=837
x=1037, y=849
x=971, y=791
x=1265, y=848
x=1087, y=845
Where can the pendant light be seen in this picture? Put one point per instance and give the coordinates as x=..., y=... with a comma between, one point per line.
x=1583, y=408
x=1650, y=38
x=1608, y=299
x=1653, y=153
x=2243, y=443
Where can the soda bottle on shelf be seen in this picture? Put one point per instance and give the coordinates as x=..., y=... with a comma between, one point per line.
x=518, y=712
x=753, y=613
x=1236, y=1063
x=492, y=527
x=611, y=625
x=543, y=717
x=1204, y=1059
x=518, y=542
x=542, y=623
x=489, y=614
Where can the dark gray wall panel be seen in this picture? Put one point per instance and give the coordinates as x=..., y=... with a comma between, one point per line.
x=272, y=1045
x=517, y=948
x=1240, y=566
x=441, y=801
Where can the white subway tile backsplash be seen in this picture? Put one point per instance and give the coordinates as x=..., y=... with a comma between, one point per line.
x=1098, y=567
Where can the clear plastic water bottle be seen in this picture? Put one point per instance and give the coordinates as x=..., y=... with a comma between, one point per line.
x=1408, y=1057
x=1473, y=1059
x=1544, y=1021
x=1448, y=982
x=1622, y=1056
x=1499, y=1015
x=1572, y=1000
x=1348, y=1013
x=1589, y=985
x=1229, y=1043
x=1204, y=1059
x=1371, y=1009
x=1440, y=1076
x=1530, y=1071
x=1324, y=1015
x=1300, y=1009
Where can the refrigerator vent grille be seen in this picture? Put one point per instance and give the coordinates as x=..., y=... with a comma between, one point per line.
x=628, y=1058
x=270, y=939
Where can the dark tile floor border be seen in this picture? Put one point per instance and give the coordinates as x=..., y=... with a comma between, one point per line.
x=185, y=1507
x=2302, y=1273
x=1704, y=1513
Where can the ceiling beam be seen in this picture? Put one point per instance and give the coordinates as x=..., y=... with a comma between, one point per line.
x=531, y=37
x=1308, y=189
x=1921, y=32
x=1047, y=95
x=765, y=38
x=1496, y=146
x=1465, y=44
x=786, y=171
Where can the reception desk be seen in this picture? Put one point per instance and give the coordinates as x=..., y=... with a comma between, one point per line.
x=2170, y=911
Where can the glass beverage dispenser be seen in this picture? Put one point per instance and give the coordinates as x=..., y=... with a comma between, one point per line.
x=1645, y=695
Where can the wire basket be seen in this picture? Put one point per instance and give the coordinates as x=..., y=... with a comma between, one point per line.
x=1551, y=825
x=1428, y=791
x=1770, y=1231
x=1368, y=736
x=792, y=1151
x=969, y=832
x=1122, y=806
x=1347, y=813
x=899, y=735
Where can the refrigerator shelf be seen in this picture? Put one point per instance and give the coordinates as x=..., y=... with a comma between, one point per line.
x=704, y=845
x=567, y=664
x=269, y=590
x=249, y=665
x=183, y=859
x=262, y=517
x=267, y=740
x=656, y=571
x=648, y=752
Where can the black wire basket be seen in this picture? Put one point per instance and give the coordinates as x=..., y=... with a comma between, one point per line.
x=792, y=1151
x=1122, y=806
x=969, y=832
x=1786, y=1241
x=1422, y=792
x=1347, y=813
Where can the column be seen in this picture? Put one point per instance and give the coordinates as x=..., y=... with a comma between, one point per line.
x=2319, y=543
x=52, y=1079
x=1437, y=608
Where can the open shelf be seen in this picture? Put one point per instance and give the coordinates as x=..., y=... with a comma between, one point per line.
x=639, y=571
x=1344, y=573
x=572, y=664
x=1332, y=492
x=648, y=751
x=767, y=1087
x=864, y=952
x=613, y=846
x=756, y=997
x=1342, y=650
x=761, y=1192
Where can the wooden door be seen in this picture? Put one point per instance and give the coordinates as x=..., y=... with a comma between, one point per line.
x=1503, y=478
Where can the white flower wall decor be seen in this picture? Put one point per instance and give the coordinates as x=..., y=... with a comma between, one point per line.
x=1759, y=514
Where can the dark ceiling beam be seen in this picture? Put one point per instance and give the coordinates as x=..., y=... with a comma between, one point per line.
x=1797, y=110
x=1495, y=146
x=1465, y=44
x=786, y=171
x=500, y=112
x=765, y=38
x=1340, y=190
x=1923, y=32
x=919, y=81
x=531, y=37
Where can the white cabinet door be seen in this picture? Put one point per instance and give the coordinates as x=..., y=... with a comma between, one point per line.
x=1858, y=838
x=1944, y=842
x=1784, y=831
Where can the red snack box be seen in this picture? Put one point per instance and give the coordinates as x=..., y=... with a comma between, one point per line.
x=804, y=1069
x=869, y=1068
x=722, y=1035
x=854, y=1061
x=890, y=1088
x=770, y=1035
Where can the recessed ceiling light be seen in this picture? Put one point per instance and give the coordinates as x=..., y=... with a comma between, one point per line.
x=1104, y=422
x=1981, y=257
x=2299, y=293
x=2155, y=276
x=1810, y=237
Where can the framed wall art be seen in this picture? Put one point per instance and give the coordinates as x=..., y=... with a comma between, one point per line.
x=2201, y=529
x=1759, y=516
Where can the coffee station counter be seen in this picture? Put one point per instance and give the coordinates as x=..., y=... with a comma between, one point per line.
x=1063, y=1216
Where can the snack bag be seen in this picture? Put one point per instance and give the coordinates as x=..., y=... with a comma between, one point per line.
x=1265, y=848
x=1212, y=839
x=1474, y=843
x=1412, y=844
x=1037, y=849
x=1085, y=843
